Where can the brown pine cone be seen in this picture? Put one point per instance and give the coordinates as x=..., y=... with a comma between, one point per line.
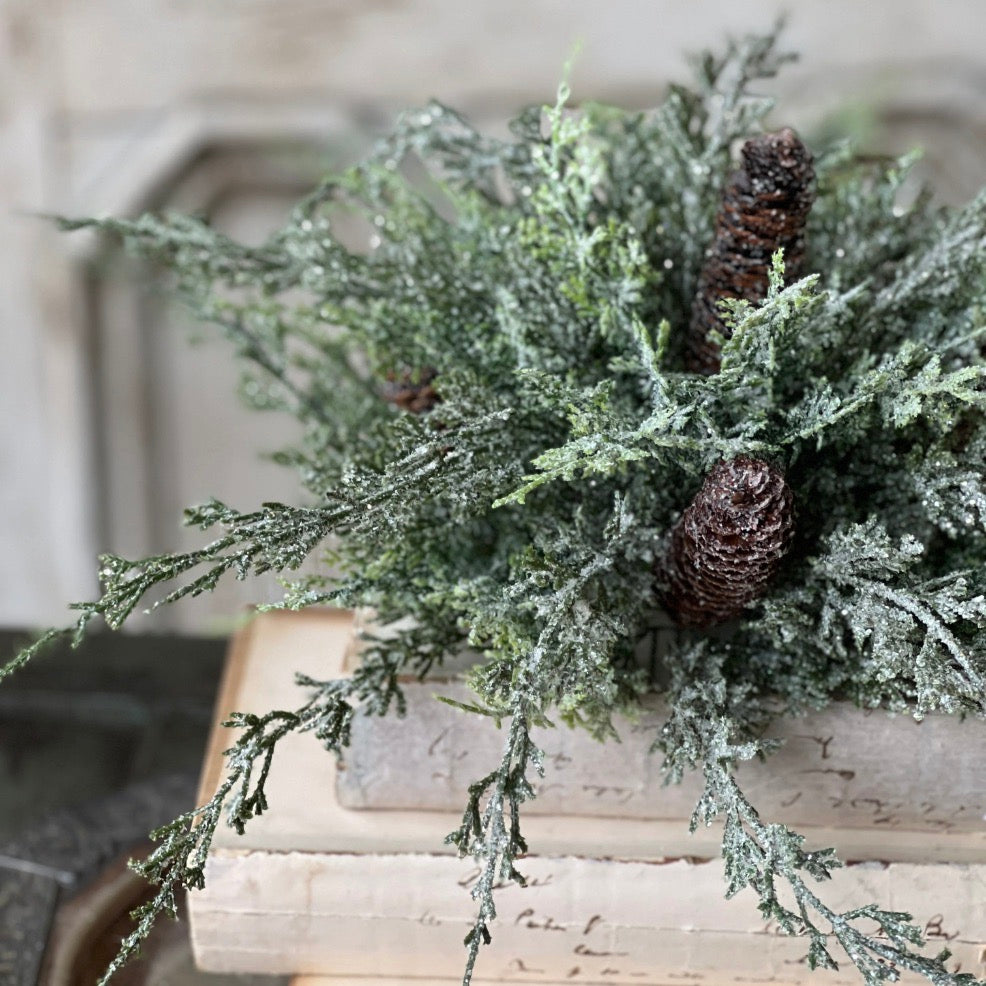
x=728, y=543
x=764, y=207
x=412, y=391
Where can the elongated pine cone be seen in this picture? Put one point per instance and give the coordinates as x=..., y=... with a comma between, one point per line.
x=764, y=207
x=728, y=543
x=412, y=391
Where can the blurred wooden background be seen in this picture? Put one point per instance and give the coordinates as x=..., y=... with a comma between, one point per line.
x=111, y=422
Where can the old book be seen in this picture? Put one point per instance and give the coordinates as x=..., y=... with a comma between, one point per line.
x=841, y=768
x=371, y=895
x=844, y=768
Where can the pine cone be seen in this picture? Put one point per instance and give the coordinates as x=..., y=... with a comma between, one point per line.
x=764, y=207
x=728, y=543
x=412, y=391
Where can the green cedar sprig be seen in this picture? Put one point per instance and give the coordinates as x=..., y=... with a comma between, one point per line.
x=491, y=833
x=178, y=861
x=699, y=733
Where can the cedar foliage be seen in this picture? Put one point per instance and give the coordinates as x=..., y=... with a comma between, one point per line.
x=542, y=286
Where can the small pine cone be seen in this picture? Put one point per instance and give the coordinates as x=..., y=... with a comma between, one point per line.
x=764, y=208
x=728, y=543
x=412, y=391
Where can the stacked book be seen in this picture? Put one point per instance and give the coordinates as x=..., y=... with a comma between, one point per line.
x=347, y=880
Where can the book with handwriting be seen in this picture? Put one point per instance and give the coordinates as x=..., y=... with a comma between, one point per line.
x=346, y=877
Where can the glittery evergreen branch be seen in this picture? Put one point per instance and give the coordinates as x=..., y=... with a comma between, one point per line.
x=543, y=286
x=759, y=854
